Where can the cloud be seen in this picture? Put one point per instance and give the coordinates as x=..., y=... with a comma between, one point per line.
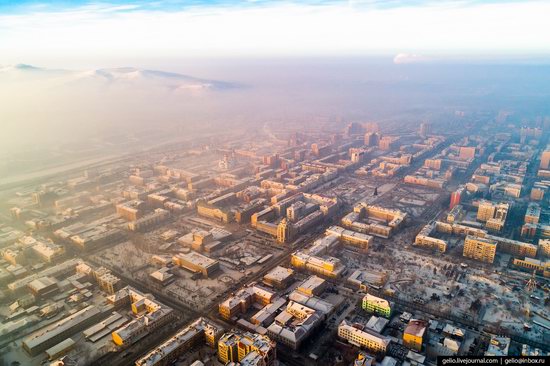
x=407, y=58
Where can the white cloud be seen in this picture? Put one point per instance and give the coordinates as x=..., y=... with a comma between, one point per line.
x=407, y=58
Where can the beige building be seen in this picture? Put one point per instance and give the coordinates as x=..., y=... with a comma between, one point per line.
x=367, y=339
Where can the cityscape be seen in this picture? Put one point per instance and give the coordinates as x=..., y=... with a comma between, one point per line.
x=391, y=236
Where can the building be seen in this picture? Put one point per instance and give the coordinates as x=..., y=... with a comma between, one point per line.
x=150, y=315
x=531, y=264
x=456, y=196
x=241, y=301
x=376, y=305
x=53, y=334
x=109, y=283
x=48, y=252
x=467, y=153
x=43, y=286
x=356, y=239
x=545, y=160
x=312, y=286
x=131, y=210
x=279, y=277
x=197, y=263
x=163, y=276
x=150, y=220
x=363, y=279
x=481, y=249
x=227, y=347
x=532, y=215
x=323, y=307
x=498, y=346
x=324, y=266
x=367, y=339
x=413, y=335
x=425, y=129
x=372, y=139
x=200, y=331
x=544, y=245
x=294, y=324
x=236, y=346
x=485, y=211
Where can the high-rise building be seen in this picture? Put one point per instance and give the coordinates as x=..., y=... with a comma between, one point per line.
x=455, y=197
x=372, y=139
x=425, y=129
x=545, y=160
x=532, y=215
x=354, y=128
x=485, y=211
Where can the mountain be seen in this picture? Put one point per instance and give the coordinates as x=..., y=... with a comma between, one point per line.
x=113, y=77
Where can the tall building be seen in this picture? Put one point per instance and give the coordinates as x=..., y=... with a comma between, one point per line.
x=485, y=211
x=372, y=139
x=227, y=347
x=545, y=160
x=425, y=129
x=354, y=128
x=455, y=197
x=532, y=215
x=480, y=249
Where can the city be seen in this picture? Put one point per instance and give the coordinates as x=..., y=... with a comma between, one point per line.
x=308, y=247
x=274, y=182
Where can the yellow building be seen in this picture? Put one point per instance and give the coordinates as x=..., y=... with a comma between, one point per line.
x=534, y=265
x=233, y=347
x=227, y=348
x=485, y=211
x=326, y=266
x=414, y=334
x=480, y=249
x=285, y=231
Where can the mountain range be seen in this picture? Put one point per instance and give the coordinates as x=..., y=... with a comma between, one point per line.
x=110, y=77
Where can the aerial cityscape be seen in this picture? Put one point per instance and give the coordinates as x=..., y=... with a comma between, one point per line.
x=347, y=209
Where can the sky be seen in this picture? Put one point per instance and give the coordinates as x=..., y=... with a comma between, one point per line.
x=103, y=32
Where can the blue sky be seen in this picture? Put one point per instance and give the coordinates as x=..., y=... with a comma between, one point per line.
x=32, y=31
